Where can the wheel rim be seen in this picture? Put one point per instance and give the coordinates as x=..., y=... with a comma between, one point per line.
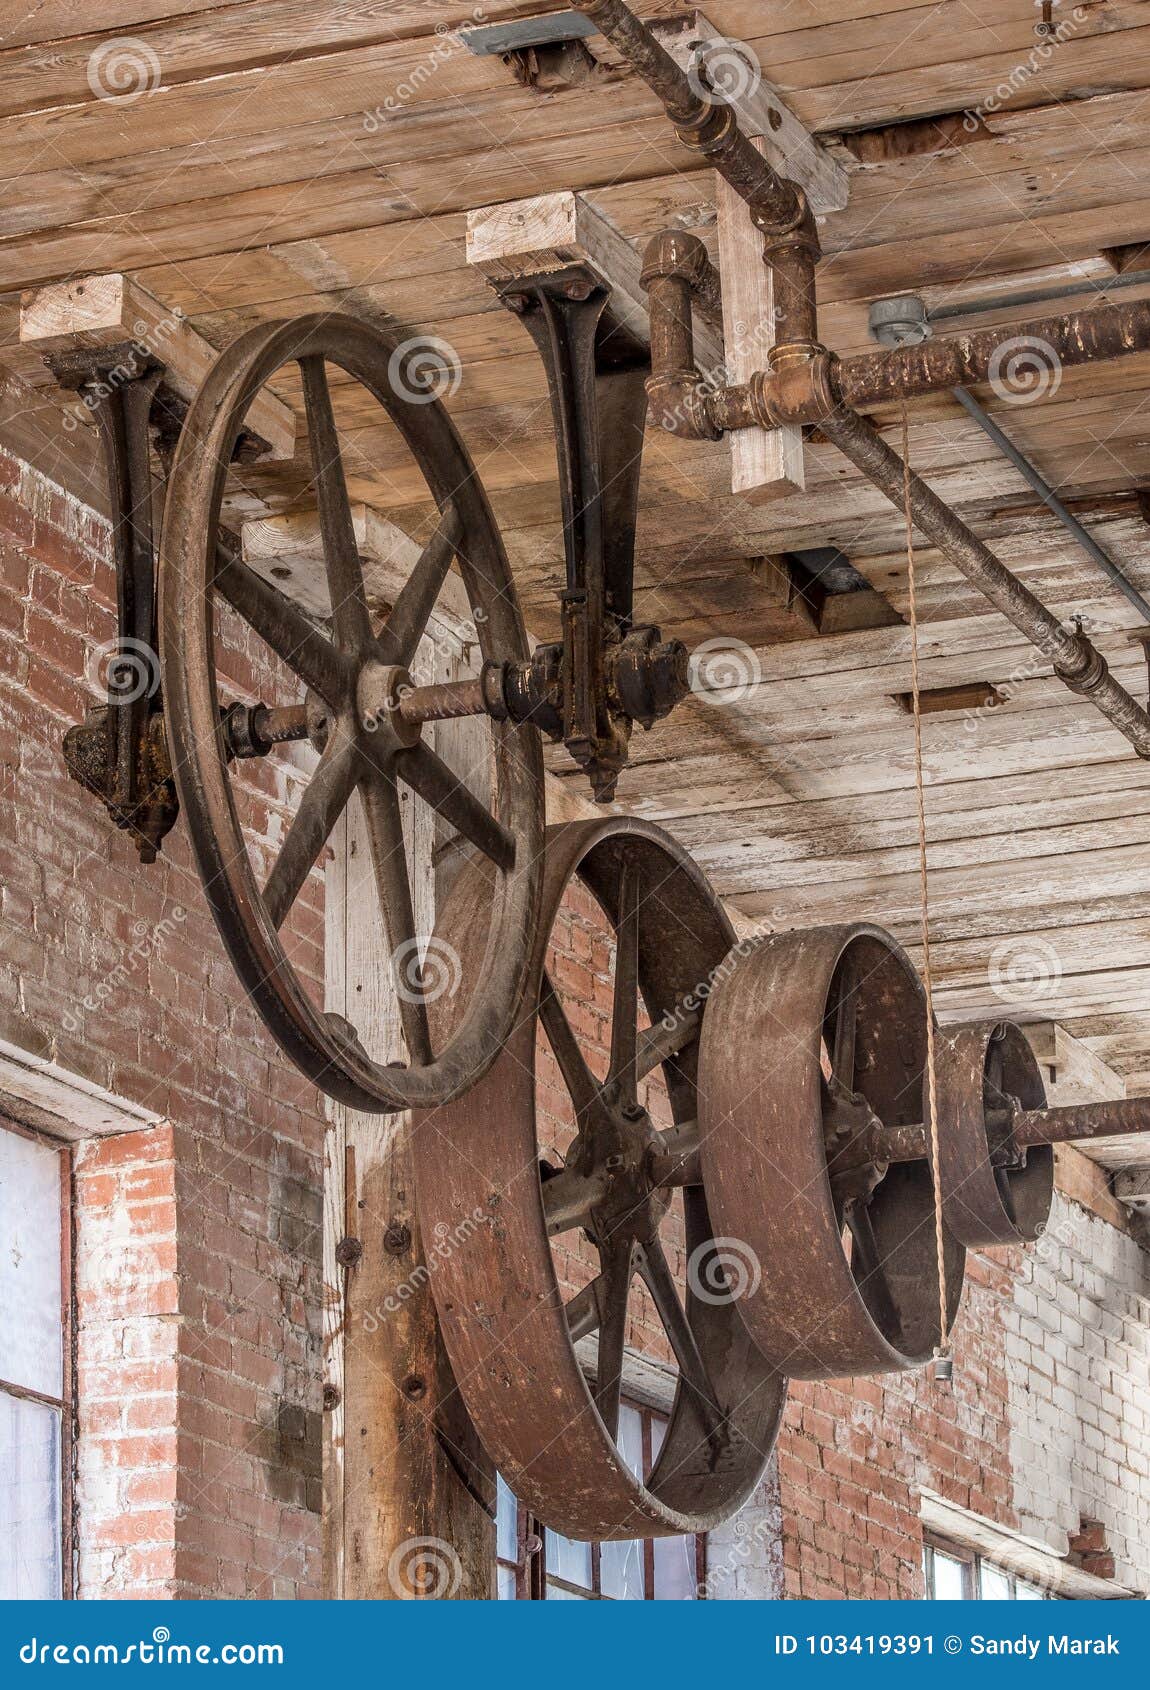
x=509, y=1333
x=345, y=674
x=984, y=1069
x=776, y=1138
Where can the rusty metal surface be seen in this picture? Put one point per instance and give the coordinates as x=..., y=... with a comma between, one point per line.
x=932, y=366
x=510, y=1338
x=775, y=1141
x=357, y=753
x=993, y=1192
x=1068, y=1123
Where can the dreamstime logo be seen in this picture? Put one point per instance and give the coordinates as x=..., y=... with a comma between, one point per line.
x=424, y=974
x=448, y=1239
x=449, y=42
x=125, y=669
x=1024, y=969
x=149, y=936
x=424, y=1567
x=723, y=70
x=1025, y=369
x=724, y=671
x=722, y=1270
x=424, y=368
x=1035, y=61
x=123, y=70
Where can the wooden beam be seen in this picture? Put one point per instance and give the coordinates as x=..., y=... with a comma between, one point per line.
x=536, y=237
x=761, y=110
x=408, y=1493
x=109, y=310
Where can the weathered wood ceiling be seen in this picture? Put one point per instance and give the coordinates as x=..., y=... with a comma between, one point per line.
x=251, y=180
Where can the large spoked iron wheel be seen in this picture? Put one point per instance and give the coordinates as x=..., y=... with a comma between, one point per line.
x=352, y=679
x=541, y=1367
x=811, y=1045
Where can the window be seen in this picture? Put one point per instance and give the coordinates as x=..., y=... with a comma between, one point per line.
x=533, y=1562
x=35, y=1370
x=953, y=1574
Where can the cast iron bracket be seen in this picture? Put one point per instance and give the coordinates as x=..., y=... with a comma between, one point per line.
x=606, y=673
x=119, y=751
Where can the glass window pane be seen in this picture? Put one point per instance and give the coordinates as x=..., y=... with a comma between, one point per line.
x=675, y=1575
x=505, y=1585
x=31, y=1344
x=994, y=1584
x=630, y=1439
x=556, y=1593
x=949, y=1583
x=30, y=1524
x=569, y=1560
x=621, y=1571
x=1028, y=1592
x=506, y=1522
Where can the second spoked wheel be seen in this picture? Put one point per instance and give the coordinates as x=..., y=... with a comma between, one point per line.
x=812, y=1044
x=541, y=1367
x=349, y=681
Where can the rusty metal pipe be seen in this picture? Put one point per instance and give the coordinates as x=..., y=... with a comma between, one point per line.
x=778, y=206
x=1077, y=662
x=444, y=701
x=1041, y=348
x=677, y=271
x=1066, y=1123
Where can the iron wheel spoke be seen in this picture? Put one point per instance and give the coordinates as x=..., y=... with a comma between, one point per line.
x=584, y=1311
x=416, y=600
x=868, y=1271
x=843, y=1048
x=657, y=1277
x=582, y=1086
x=389, y=859
x=625, y=997
x=426, y=773
x=284, y=627
x=615, y=1282
x=324, y=801
x=349, y=615
x=659, y=1043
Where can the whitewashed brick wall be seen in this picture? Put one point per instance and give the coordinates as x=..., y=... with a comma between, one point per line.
x=1078, y=1373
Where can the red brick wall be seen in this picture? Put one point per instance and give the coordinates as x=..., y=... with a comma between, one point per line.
x=115, y=970
x=853, y=1454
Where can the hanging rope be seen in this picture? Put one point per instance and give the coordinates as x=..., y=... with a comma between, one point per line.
x=942, y=1353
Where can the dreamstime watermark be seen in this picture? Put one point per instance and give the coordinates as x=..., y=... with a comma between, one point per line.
x=694, y=1000
x=150, y=936
x=1025, y=369
x=124, y=669
x=1036, y=60
x=762, y=1536
x=1024, y=969
x=724, y=672
x=123, y=70
x=135, y=363
x=723, y=1270
x=723, y=70
x=426, y=969
x=449, y=40
x=424, y=1567
x=158, y=1650
x=448, y=1239
x=424, y=368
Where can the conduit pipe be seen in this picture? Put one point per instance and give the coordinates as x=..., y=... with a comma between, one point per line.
x=806, y=384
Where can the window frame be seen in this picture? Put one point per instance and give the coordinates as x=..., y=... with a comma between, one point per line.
x=972, y=1562
x=65, y=1404
x=531, y=1576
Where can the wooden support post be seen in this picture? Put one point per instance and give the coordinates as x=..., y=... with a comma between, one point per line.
x=114, y=310
x=408, y=1494
x=765, y=463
